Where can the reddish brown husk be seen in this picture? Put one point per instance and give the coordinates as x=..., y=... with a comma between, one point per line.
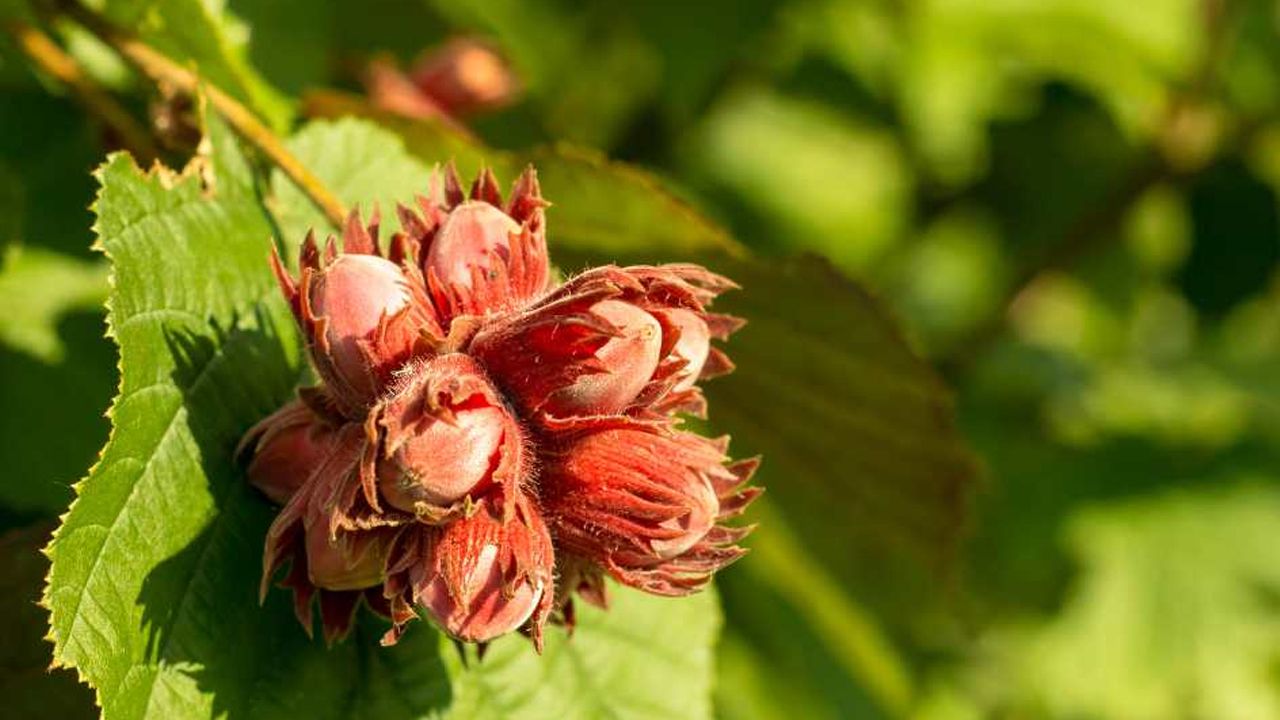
x=647, y=506
x=465, y=76
x=462, y=77
x=478, y=254
x=329, y=503
x=447, y=438
x=484, y=447
x=287, y=448
x=478, y=577
x=345, y=560
x=364, y=316
x=543, y=356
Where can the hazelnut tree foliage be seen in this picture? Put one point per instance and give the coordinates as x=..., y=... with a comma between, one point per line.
x=150, y=592
x=1080, y=247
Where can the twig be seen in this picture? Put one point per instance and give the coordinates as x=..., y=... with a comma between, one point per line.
x=161, y=69
x=45, y=54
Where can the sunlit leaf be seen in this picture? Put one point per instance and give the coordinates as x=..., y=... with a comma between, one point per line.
x=818, y=181
x=645, y=658
x=1174, y=614
x=153, y=587
x=159, y=542
x=362, y=166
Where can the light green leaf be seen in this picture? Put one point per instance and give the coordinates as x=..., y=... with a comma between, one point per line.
x=151, y=589
x=645, y=658
x=818, y=180
x=36, y=288
x=1174, y=615
x=363, y=165
x=952, y=68
x=152, y=592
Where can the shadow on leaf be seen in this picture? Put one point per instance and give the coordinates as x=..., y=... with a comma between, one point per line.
x=200, y=606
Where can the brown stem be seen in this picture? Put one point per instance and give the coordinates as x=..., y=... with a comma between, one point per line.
x=45, y=54
x=161, y=69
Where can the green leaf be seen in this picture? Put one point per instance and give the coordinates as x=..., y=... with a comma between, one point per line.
x=202, y=33
x=861, y=453
x=58, y=375
x=612, y=210
x=818, y=180
x=294, y=55
x=159, y=544
x=953, y=69
x=825, y=654
x=361, y=164
x=152, y=591
x=154, y=577
x=1174, y=615
x=602, y=209
x=36, y=288
x=646, y=657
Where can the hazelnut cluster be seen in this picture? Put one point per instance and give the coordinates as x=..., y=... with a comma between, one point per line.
x=485, y=444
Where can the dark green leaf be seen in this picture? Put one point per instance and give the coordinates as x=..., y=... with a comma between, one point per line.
x=862, y=455
x=29, y=687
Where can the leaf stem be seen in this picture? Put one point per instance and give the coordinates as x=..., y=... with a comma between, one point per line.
x=46, y=55
x=161, y=70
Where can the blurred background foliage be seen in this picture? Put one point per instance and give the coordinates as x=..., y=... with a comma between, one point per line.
x=1071, y=206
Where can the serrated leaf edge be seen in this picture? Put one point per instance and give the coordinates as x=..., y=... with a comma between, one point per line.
x=169, y=179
